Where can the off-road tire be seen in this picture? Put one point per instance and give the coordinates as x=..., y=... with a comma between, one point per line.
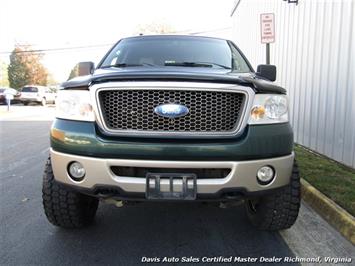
x=279, y=210
x=63, y=206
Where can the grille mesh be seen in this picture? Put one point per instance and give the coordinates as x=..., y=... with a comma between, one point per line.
x=209, y=111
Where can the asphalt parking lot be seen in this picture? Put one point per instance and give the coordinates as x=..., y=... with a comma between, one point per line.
x=122, y=236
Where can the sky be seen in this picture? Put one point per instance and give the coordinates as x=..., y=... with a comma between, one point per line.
x=99, y=24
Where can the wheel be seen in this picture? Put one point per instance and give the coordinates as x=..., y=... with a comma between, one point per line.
x=43, y=102
x=279, y=210
x=64, y=207
x=25, y=103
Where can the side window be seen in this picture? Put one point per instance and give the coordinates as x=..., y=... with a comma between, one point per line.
x=238, y=62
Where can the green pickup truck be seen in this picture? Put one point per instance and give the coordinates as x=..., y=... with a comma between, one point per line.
x=172, y=118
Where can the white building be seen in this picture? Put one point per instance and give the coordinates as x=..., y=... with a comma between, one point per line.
x=314, y=54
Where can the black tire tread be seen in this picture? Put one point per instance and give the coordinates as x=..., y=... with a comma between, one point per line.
x=64, y=207
x=279, y=210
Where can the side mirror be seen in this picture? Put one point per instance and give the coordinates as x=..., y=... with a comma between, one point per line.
x=82, y=69
x=85, y=68
x=267, y=71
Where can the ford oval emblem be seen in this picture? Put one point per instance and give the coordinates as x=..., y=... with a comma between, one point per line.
x=171, y=110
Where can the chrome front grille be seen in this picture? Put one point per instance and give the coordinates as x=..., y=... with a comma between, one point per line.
x=132, y=110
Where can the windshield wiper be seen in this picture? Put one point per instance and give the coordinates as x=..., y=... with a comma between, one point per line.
x=127, y=65
x=195, y=64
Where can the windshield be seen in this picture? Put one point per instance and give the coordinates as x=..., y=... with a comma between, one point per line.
x=29, y=89
x=175, y=51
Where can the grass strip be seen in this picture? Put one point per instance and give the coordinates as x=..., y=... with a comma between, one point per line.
x=331, y=178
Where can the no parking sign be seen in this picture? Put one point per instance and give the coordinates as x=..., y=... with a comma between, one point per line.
x=267, y=27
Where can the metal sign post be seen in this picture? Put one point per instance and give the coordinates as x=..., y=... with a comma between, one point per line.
x=268, y=53
x=267, y=28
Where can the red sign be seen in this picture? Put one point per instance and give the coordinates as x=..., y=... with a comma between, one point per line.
x=267, y=27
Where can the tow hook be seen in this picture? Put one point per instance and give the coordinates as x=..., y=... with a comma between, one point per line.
x=117, y=203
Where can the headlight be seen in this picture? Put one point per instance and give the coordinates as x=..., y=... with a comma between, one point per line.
x=269, y=109
x=74, y=105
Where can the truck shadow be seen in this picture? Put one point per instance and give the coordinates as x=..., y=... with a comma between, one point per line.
x=123, y=236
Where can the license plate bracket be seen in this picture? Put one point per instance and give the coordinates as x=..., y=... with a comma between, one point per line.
x=188, y=186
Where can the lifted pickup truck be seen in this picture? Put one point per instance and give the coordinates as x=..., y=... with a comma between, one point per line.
x=172, y=118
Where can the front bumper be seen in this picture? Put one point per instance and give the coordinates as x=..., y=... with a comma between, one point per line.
x=242, y=177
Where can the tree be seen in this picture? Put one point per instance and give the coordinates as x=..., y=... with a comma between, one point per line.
x=4, y=81
x=26, y=67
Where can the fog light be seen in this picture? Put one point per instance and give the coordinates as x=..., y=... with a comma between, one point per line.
x=265, y=175
x=76, y=171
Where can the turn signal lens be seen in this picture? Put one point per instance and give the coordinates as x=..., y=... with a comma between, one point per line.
x=257, y=112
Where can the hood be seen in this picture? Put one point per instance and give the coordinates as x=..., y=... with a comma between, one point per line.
x=191, y=74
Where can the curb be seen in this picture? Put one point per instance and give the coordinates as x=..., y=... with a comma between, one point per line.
x=335, y=215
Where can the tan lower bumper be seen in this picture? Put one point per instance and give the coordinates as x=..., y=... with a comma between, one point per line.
x=242, y=175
